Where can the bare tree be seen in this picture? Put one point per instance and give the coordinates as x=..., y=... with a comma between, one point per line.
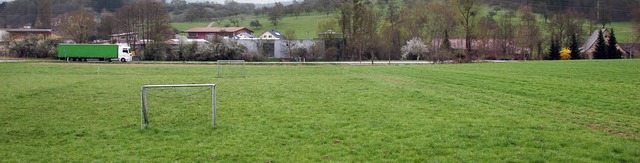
x=467, y=10
x=45, y=12
x=359, y=24
x=276, y=13
x=107, y=26
x=414, y=18
x=528, y=34
x=78, y=26
x=150, y=19
x=506, y=35
x=635, y=23
x=564, y=24
x=393, y=32
x=441, y=21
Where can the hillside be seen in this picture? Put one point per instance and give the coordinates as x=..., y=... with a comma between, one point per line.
x=305, y=26
x=308, y=24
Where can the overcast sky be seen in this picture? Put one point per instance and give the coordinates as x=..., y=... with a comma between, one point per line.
x=222, y=1
x=243, y=1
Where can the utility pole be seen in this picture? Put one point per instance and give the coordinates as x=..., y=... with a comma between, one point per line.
x=598, y=9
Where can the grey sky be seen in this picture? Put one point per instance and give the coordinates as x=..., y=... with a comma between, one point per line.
x=222, y=1
x=243, y=1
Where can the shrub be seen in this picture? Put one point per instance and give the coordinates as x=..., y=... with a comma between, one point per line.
x=316, y=52
x=414, y=49
x=254, y=56
x=220, y=50
x=34, y=47
x=299, y=53
x=565, y=54
x=155, y=52
x=331, y=54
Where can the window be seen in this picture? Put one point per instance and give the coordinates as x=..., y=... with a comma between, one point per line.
x=193, y=35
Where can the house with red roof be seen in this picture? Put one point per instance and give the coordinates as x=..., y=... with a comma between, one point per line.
x=208, y=32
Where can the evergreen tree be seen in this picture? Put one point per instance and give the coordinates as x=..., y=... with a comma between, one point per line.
x=446, y=44
x=554, y=50
x=612, y=47
x=601, y=47
x=575, y=50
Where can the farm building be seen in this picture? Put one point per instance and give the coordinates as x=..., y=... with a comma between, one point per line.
x=590, y=46
x=497, y=48
x=208, y=32
x=129, y=38
x=15, y=34
x=632, y=49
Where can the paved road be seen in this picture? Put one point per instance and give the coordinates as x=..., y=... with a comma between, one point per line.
x=293, y=63
x=355, y=63
x=11, y=61
x=348, y=62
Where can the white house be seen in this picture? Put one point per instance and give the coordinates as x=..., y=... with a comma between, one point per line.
x=272, y=35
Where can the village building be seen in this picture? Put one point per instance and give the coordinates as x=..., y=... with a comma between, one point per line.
x=210, y=32
x=488, y=48
x=272, y=35
x=16, y=34
x=632, y=49
x=129, y=38
x=589, y=47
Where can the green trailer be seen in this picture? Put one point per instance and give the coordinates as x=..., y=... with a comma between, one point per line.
x=102, y=52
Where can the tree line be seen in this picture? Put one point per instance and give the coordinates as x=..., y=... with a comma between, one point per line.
x=148, y=18
x=380, y=30
x=364, y=29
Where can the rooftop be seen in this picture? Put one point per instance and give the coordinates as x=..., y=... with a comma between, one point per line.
x=216, y=29
x=29, y=30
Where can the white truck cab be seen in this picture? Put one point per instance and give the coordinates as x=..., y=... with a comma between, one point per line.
x=124, y=53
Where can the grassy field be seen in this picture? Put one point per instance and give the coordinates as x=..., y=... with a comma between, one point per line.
x=305, y=26
x=623, y=30
x=563, y=111
x=183, y=26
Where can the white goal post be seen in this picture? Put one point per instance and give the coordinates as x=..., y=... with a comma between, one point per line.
x=145, y=110
x=244, y=69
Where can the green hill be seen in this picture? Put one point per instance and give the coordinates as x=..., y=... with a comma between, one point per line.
x=305, y=26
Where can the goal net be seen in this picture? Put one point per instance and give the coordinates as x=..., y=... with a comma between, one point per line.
x=178, y=106
x=231, y=68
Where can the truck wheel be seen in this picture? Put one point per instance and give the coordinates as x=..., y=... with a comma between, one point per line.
x=123, y=60
x=109, y=60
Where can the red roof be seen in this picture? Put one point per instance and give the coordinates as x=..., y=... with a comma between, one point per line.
x=216, y=29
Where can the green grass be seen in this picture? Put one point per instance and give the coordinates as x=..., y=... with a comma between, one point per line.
x=563, y=111
x=624, y=31
x=303, y=24
x=183, y=26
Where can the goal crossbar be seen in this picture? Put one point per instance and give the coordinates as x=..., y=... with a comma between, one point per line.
x=144, y=102
x=244, y=69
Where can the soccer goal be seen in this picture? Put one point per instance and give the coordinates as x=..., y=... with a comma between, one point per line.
x=181, y=93
x=231, y=68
